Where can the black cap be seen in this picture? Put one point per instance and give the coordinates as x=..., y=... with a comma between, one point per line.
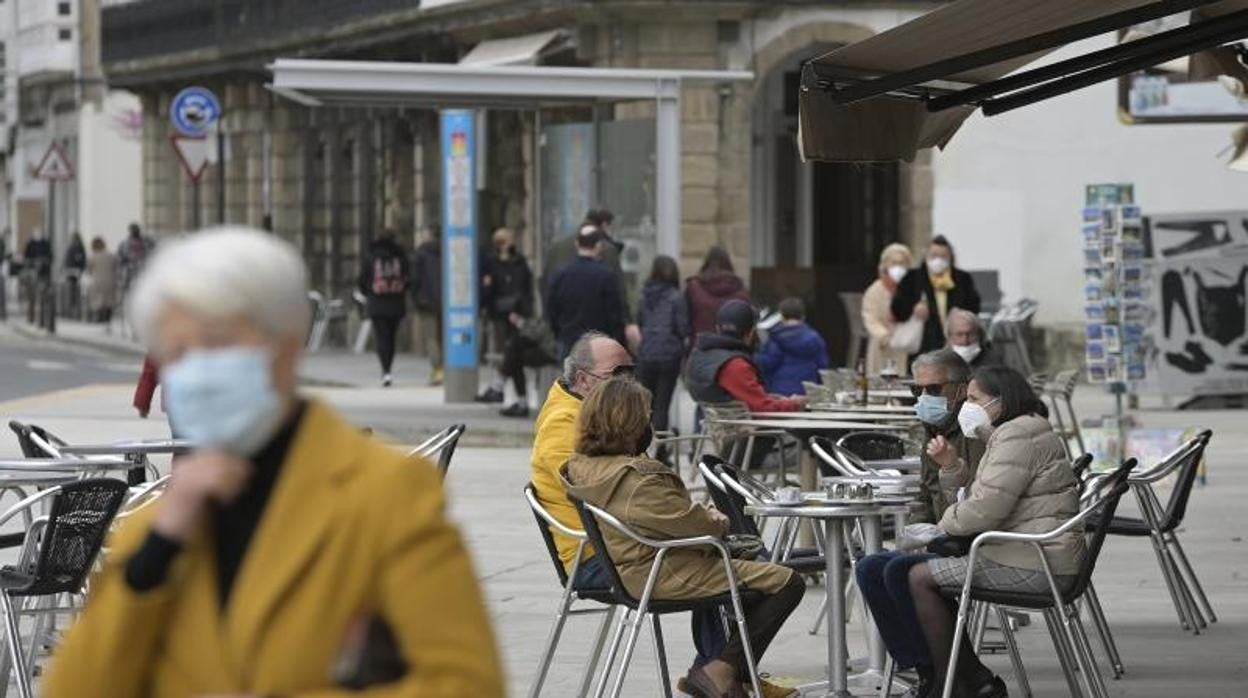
x=736, y=318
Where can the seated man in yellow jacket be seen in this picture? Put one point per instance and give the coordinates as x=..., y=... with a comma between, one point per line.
x=284, y=531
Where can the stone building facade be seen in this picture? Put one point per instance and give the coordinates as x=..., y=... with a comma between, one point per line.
x=329, y=179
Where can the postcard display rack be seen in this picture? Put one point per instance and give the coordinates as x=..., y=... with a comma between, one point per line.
x=1115, y=296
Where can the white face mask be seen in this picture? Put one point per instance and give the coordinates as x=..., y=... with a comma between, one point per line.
x=973, y=417
x=937, y=265
x=897, y=272
x=968, y=352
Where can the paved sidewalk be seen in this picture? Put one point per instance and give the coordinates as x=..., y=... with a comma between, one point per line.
x=484, y=497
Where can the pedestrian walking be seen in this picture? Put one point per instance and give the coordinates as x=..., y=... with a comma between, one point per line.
x=931, y=290
x=794, y=352
x=75, y=264
x=132, y=254
x=506, y=291
x=664, y=321
x=100, y=282
x=37, y=272
x=383, y=280
x=584, y=296
x=427, y=297
x=716, y=283
x=877, y=317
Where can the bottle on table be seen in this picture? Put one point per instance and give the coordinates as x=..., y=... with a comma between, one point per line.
x=863, y=383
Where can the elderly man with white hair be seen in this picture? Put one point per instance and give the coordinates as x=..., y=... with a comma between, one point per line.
x=966, y=339
x=286, y=533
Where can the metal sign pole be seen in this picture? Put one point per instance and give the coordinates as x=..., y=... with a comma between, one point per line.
x=459, y=255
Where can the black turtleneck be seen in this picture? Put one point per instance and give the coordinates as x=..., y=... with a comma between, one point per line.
x=233, y=525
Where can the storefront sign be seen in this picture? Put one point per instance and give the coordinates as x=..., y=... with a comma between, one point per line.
x=459, y=239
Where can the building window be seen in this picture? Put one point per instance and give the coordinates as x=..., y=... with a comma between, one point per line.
x=65, y=34
x=63, y=9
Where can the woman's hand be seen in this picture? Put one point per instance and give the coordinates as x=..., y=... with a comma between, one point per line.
x=200, y=479
x=942, y=452
x=920, y=311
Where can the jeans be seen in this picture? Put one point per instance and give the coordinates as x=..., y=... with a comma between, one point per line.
x=386, y=329
x=884, y=580
x=708, y=630
x=660, y=378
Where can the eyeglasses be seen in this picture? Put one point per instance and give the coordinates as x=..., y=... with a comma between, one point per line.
x=935, y=389
x=621, y=370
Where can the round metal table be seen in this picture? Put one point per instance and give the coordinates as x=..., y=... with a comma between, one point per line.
x=834, y=517
x=131, y=448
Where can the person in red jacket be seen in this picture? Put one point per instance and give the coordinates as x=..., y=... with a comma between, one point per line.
x=721, y=367
x=149, y=379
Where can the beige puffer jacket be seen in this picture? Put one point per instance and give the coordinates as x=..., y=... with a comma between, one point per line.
x=1024, y=484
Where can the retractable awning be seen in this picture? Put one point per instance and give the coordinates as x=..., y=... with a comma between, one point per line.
x=318, y=83
x=515, y=50
x=911, y=87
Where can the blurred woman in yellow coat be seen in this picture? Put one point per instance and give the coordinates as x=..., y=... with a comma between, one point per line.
x=284, y=532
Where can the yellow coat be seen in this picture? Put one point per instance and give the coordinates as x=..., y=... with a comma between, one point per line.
x=352, y=528
x=552, y=447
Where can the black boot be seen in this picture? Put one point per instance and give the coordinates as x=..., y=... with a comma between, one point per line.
x=926, y=686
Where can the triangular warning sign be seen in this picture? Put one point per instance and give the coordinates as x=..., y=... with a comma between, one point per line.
x=194, y=154
x=55, y=165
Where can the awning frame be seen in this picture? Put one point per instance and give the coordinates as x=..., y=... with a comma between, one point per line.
x=317, y=83
x=845, y=89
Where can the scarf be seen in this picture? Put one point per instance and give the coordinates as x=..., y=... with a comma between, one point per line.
x=940, y=286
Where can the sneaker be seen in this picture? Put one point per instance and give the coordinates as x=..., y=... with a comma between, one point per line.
x=491, y=396
x=771, y=690
x=516, y=409
x=386, y=381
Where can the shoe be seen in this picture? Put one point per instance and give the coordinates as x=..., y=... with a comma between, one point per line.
x=491, y=396
x=771, y=690
x=697, y=684
x=925, y=686
x=993, y=687
x=516, y=409
x=386, y=381
x=436, y=379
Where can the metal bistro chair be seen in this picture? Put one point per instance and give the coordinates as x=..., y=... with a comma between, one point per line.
x=1161, y=524
x=1060, y=608
x=545, y=522
x=59, y=553
x=852, y=302
x=440, y=447
x=1060, y=392
x=638, y=608
x=37, y=442
x=834, y=460
x=729, y=440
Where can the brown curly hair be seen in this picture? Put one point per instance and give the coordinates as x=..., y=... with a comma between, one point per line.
x=614, y=419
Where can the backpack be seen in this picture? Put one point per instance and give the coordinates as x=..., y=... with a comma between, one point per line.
x=388, y=279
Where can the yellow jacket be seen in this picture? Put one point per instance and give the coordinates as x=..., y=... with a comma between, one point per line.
x=351, y=529
x=552, y=447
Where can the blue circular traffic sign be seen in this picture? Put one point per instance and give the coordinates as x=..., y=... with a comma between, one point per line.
x=194, y=111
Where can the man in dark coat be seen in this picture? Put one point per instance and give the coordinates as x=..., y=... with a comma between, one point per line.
x=930, y=291
x=941, y=378
x=721, y=367
x=584, y=295
x=426, y=290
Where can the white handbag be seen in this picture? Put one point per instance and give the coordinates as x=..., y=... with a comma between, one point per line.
x=908, y=336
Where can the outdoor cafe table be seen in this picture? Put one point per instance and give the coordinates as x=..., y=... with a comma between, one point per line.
x=816, y=407
x=834, y=517
x=847, y=416
x=130, y=448
x=72, y=467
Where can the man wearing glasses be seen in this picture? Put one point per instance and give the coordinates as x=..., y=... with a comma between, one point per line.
x=940, y=380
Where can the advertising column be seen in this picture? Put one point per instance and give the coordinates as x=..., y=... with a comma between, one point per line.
x=459, y=255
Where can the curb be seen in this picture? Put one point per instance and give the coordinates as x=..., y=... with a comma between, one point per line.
x=117, y=348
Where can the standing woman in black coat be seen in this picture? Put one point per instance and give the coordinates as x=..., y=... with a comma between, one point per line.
x=931, y=290
x=383, y=280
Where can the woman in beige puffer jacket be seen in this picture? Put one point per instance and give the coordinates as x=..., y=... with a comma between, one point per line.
x=1024, y=484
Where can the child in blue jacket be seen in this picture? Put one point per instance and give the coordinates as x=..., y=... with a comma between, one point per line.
x=794, y=352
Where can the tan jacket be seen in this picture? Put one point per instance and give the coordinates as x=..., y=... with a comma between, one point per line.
x=650, y=499
x=880, y=325
x=1024, y=485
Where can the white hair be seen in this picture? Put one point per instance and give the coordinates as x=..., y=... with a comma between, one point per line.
x=225, y=272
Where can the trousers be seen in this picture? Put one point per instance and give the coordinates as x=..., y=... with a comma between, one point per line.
x=386, y=329
x=884, y=580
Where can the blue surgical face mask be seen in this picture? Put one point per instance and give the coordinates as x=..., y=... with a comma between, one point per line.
x=223, y=398
x=932, y=409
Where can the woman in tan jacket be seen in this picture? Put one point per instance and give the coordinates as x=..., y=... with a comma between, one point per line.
x=610, y=470
x=895, y=261
x=1024, y=484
